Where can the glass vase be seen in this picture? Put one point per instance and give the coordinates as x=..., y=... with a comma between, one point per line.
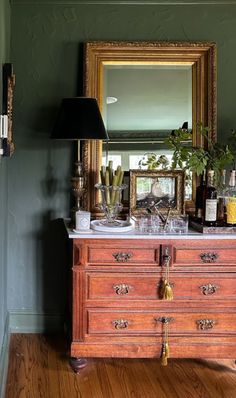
x=111, y=202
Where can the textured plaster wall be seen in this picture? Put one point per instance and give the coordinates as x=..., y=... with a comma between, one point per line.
x=46, y=54
x=4, y=53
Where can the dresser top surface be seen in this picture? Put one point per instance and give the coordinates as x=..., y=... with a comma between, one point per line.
x=91, y=234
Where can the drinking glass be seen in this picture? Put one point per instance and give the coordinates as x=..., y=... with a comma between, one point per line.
x=179, y=224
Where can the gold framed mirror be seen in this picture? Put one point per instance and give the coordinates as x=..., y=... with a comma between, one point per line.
x=187, y=68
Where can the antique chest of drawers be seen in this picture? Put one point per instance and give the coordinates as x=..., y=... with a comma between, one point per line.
x=117, y=308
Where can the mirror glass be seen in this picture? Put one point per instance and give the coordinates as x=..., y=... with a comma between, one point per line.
x=142, y=104
x=146, y=90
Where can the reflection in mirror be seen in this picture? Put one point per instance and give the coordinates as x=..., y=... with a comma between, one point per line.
x=146, y=90
x=153, y=98
x=142, y=104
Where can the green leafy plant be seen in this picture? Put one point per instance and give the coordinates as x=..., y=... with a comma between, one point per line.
x=232, y=145
x=152, y=161
x=196, y=159
x=216, y=156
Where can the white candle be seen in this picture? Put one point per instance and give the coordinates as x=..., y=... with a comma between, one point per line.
x=82, y=220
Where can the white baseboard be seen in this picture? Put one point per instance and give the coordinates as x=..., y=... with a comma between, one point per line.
x=23, y=321
x=4, y=352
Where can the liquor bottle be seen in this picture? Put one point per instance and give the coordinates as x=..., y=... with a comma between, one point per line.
x=221, y=202
x=200, y=198
x=231, y=200
x=210, y=213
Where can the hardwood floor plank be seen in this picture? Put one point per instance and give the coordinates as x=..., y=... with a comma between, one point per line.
x=39, y=368
x=183, y=371
x=134, y=379
x=219, y=380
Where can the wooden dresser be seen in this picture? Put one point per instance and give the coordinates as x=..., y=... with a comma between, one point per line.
x=117, y=310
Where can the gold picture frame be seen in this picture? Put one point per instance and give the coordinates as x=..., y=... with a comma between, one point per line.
x=7, y=107
x=161, y=188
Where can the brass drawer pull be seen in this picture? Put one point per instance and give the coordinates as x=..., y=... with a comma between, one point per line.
x=205, y=324
x=122, y=257
x=120, y=323
x=121, y=289
x=164, y=319
x=166, y=258
x=208, y=289
x=209, y=257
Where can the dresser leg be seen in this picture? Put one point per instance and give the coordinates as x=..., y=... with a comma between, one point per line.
x=77, y=364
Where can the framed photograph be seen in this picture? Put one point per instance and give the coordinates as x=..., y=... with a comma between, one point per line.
x=7, y=106
x=163, y=189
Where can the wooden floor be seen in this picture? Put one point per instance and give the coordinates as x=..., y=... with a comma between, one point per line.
x=38, y=368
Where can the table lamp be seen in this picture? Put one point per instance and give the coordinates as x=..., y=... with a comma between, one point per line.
x=79, y=118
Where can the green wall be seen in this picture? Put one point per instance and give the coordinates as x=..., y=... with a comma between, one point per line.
x=4, y=57
x=46, y=41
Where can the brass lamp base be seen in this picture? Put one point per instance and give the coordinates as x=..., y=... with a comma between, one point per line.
x=78, y=189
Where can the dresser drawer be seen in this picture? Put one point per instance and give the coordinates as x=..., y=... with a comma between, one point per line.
x=204, y=255
x=122, y=286
x=205, y=287
x=143, y=286
x=152, y=322
x=125, y=322
x=123, y=253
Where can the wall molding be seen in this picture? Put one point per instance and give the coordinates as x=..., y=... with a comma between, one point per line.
x=4, y=355
x=124, y=2
x=23, y=321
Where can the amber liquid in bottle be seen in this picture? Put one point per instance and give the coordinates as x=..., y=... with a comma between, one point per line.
x=200, y=198
x=210, y=213
x=231, y=200
x=221, y=199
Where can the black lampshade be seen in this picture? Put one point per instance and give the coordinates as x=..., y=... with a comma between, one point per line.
x=79, y=118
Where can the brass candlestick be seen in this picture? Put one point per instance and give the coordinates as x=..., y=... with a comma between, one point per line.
x=78, y=189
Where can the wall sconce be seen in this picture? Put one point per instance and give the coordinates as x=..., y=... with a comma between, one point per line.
x=79, y=119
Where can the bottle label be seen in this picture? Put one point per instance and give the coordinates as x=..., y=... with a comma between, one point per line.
x=199, y=213
x=211, y=210
x=231, y=211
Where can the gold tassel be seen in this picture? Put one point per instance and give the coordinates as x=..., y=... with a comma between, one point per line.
x=163, y=288
x=167, y=350
x=164, y=360
x=166, y=291
x=165, y=347
x=165, y=354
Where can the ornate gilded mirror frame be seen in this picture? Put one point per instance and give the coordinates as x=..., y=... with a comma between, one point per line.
x=202, y=58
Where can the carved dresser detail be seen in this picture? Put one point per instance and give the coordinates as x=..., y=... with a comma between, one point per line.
x=117, y=309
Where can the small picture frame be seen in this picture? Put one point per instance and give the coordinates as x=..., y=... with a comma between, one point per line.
x=7, y=106
x=161, y=188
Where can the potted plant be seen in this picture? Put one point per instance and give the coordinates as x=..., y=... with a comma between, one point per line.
x=195, y=159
